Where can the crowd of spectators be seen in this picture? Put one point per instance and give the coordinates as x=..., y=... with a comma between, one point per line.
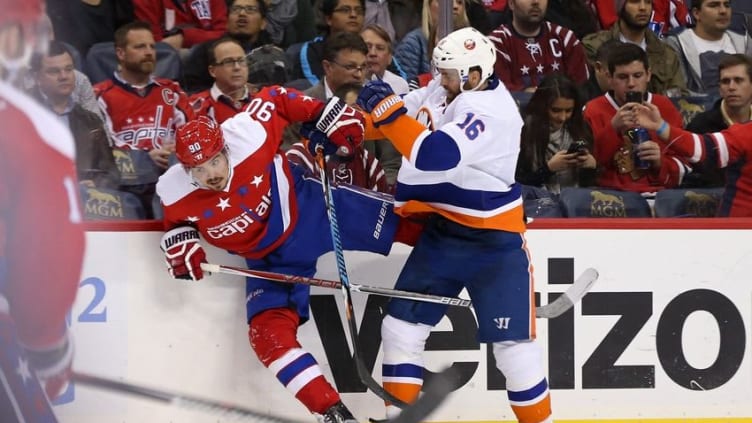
x=576, y=67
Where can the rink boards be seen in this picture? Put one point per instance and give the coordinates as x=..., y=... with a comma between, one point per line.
x=662, y=337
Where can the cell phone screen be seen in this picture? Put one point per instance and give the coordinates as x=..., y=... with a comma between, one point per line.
x=634, y=97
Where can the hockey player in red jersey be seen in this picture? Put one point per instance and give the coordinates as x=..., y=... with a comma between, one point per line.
x=40, y=223
x=235, y=187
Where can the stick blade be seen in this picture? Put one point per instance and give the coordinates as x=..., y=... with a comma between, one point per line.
x=579, y=289
x=434, y=394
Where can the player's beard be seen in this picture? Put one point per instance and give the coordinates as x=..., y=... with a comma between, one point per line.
x=217, y=184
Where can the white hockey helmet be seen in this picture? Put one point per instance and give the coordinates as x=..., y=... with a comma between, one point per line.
x=464, y=49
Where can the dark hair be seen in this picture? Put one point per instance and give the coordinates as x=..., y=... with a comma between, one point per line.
x=536, y=132
x=624, y=54
x=262, y=7
x=730, y=60
x=339, y=41
x=601, y=54
x=381, y=32
x=211, y=56
x=54, y=48
x=697, y=4
x=328, y=6
x=346, y=88
x=121, y=33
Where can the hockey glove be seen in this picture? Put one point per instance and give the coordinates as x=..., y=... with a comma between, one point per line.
x=317, y=140
x=342, y=124
x=53, y=365
x=183, y=253
x=378, y=99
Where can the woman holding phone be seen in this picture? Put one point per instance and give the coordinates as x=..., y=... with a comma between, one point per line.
x=555, y=147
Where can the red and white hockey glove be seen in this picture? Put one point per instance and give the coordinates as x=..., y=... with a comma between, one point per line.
x=53, y=365
x=183, y=253
x=342, y=125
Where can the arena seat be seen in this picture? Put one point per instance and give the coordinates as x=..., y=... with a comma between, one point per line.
x=101, y=62
x=691, y=202
x=596, y=202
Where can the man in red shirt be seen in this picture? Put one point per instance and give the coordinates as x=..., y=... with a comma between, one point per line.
x=231, y=91
x=531, y=47
x=610, y=115
x=41, y=235
x=182, y=24
x=141, y=112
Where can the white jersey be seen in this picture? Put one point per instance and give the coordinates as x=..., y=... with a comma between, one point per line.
x=463, y=167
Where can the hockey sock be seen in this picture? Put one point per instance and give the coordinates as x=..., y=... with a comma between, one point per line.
x=402, y=369
x=273, y=336
x=522, y=365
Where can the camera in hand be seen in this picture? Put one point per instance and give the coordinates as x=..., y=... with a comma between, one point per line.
x=579, y=147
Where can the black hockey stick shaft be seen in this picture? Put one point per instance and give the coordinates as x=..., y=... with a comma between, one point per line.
x=172, y=398
x=363, y=373
x=564, y=302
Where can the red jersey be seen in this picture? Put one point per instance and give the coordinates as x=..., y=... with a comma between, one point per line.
x=199, y=20
x=216, y=105
x=257, y=210
x=142, y=118
x=667, y=14
x=729, y=149
x=522, y=62
x=41, y=235
x=362, y=170
x=610, y=148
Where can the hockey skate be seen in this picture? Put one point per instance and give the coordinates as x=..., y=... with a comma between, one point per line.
x=337, y=413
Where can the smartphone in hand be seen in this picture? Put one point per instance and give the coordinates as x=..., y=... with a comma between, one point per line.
x=579, y=147
x=634, y=97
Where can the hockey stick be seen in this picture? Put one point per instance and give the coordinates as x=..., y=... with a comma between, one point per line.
x=564, y=302
x=187, y=401
x=363, y=373
x=434, y=394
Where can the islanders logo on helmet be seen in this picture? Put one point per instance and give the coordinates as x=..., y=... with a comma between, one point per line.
x=198, y=141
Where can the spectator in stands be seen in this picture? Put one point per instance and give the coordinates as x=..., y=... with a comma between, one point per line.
x=734, y=107
x=414, y=51
x=345, y=63
x=246, y=23
x=610, y=116
x=380, y=57
x=183, y=24
x=632, y=27
x=231, y=91
x=306, y=57
x=598, y=83
x=556, y=145
x=141, y=112
x=55, y=82
x=702, y=47
x=531, y=48
x=667, y=14
x=573, y=14
x=362, y=169
x=83, y=23
x=728, y=149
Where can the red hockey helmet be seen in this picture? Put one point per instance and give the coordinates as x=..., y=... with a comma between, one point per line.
x=31, y=30
x=198, y=141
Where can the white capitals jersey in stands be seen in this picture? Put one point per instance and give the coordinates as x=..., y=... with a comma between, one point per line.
x=477, y=188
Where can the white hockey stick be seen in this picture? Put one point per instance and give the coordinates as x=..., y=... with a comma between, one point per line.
x=572, y=295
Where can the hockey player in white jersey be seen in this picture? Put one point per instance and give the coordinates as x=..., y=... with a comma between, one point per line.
x=459, y=137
